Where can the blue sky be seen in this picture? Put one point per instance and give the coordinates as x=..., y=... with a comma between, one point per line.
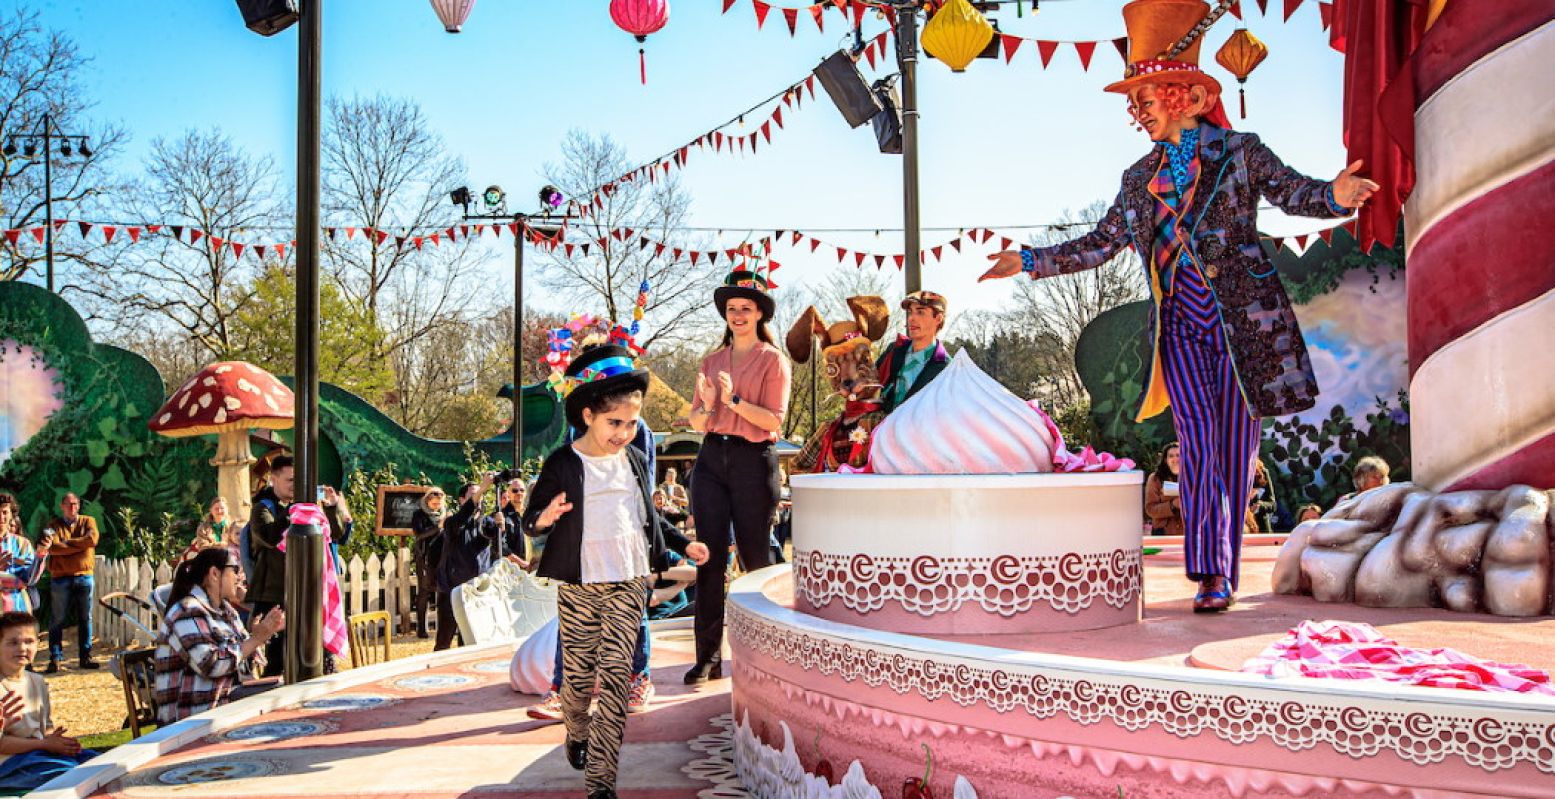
x=1003, y=144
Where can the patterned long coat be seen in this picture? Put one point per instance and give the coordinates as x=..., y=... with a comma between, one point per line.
x=1261, y=333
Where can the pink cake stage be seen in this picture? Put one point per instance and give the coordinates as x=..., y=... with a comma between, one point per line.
x=1149, y=709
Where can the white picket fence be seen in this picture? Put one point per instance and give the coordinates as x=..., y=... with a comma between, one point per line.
x=379, y=583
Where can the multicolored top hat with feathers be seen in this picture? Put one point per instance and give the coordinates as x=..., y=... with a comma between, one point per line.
x=599, y=370
x=750, y=279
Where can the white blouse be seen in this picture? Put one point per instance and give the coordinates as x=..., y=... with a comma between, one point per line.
x=613, y=548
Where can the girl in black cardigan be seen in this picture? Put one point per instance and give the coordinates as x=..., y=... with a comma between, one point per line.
x=594, y=499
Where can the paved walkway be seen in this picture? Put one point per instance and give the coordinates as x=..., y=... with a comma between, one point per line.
x=454, y=731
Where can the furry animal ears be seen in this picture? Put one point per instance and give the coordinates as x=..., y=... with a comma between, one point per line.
x=870, y=317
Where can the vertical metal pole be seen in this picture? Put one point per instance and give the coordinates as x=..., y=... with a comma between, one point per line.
x=48, y=202
x=907, y=59
x=518, y=340
x=304, y=605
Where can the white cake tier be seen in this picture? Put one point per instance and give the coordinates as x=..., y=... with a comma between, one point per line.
x=969, y=553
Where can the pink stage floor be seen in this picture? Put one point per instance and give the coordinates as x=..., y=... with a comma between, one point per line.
x=459, y=730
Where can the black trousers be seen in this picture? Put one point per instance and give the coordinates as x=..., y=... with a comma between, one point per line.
x=447, y=625
x=734, y=488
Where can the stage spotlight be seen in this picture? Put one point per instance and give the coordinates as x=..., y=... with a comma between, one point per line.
x=460, y=196
x=551, y=197
x=493, y=197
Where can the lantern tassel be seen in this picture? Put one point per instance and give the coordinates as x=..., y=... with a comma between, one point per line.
x=642, y=68
x=1242, y=95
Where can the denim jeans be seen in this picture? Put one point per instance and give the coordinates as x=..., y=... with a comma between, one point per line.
x=70, y=595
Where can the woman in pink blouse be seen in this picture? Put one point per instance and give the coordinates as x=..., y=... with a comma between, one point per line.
x=741, y=399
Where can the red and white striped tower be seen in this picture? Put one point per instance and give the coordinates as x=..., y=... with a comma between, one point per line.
x=1481, y=248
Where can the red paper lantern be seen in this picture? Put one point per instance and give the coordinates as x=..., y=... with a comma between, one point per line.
x=640, y=18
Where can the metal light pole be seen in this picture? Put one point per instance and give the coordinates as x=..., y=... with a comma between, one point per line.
x=304, y=639
x=50, y=133
x=907, y=62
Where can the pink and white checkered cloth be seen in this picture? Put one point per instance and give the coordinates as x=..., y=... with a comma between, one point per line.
x=337, y=638
x=1349, y=651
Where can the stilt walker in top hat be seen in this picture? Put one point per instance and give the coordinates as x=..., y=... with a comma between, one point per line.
x=1227, y=349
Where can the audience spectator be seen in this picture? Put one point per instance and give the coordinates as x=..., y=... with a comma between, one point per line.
x=1260, y=501
x=674, y=492
x=20, y=566
x=1163, y=501
x=427, y=525
x=203, y=646
x=467, y=537
x=212, y=531
x=267, y=590
x=1369, y=472
x=32, y=750
x=1307, y=513
x=71, y=543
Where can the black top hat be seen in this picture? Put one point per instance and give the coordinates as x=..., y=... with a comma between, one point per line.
x=600, y=370
x=745, y=284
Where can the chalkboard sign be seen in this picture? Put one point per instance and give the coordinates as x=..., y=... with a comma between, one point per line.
x=396, y=504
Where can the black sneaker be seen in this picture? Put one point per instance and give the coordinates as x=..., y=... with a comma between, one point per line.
x=90, y=664
x=53, y=667
x=702, y=672
x=607, y=793
x=578, y=754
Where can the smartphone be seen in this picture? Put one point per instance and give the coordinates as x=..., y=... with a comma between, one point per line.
x=321, y=493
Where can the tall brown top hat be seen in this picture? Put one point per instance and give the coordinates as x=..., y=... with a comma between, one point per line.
x=749, y=280
x=1155, y=29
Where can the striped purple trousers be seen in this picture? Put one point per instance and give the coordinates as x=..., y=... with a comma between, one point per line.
x=1217, y=435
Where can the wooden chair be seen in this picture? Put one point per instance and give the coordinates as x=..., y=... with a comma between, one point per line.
x=371, y=638
x=138, y=675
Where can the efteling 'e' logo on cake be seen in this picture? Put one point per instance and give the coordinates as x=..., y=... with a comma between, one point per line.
x=964, y=422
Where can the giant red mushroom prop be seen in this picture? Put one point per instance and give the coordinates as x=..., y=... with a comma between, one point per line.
x=227, y=399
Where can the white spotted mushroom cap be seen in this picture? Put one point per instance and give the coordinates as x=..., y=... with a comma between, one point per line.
x=230, y=395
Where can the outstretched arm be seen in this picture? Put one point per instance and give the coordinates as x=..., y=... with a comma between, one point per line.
x=1076, y=255
x=1297, y=194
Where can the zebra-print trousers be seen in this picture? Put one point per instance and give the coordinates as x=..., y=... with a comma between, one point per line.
x=599, y=624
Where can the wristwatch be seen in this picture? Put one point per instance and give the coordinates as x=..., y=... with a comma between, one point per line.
x=734, y=399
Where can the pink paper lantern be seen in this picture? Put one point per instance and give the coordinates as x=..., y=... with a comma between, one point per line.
x=453, y=13
x=640, y=18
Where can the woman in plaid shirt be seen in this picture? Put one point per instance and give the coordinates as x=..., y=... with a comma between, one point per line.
x=203, y=641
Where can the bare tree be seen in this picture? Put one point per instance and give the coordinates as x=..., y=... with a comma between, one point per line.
x=605, y=277
x=384, y=168
x=1057, y=309
x=40, y=74
x=205, y=182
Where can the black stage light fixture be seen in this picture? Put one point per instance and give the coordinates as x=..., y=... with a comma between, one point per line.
x=847, y=88
x=268, y=17
x=888, y=123
x=460, y=196
x=85, y=151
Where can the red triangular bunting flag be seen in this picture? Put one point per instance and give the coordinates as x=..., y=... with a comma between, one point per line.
x=195, y=234
x=399, y=242
x=259, y=250
x=568, y=247
x=842, y=5
x=496, y=230
x=766, y=131
x=1122, y=44
x=718, y=141
x=869, y=54
x=791, y=16
x=658, y=248
x=86, y=227
x=858, y=258
x=858, y=14
x=694, y=256
x=642, y=243
x=1011, y=44
x=879, y=261
x=1325, y=12
x=728, y=4
x=902, y=259
x=436, y=239
x=677, y=253
x=449, y=232
x=108, y=232
x=1236, y=10
x=350, y=233
x=814, y=244
x=777, y=116
x=761, y=12
x=937, y=251
x=840, y=254
x=712, y=257
x=1290, y=8
x=134, y=233
x=382, y=236
x=817, y=11
x=217, y=242
x=237, y=250
x=987, y=234
x=13, y=235
x=1327, y=235
x=153, y=228
x=1004, y=243
x=809, y=83
x=1301, y=241
x=956, y=243
x=280, y=251
x=1263, y=7
x=59, y=224
x=1046, y=50
x=795, y=238
x=513, y=228
x=1278, y=243
x=1086, y=50
x=39, y=232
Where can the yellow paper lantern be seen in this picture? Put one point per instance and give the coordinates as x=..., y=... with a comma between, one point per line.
x=957, y=34
x=1241, y=54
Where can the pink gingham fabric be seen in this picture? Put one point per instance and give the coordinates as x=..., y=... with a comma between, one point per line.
x=1350, y=651
x=337, y=638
